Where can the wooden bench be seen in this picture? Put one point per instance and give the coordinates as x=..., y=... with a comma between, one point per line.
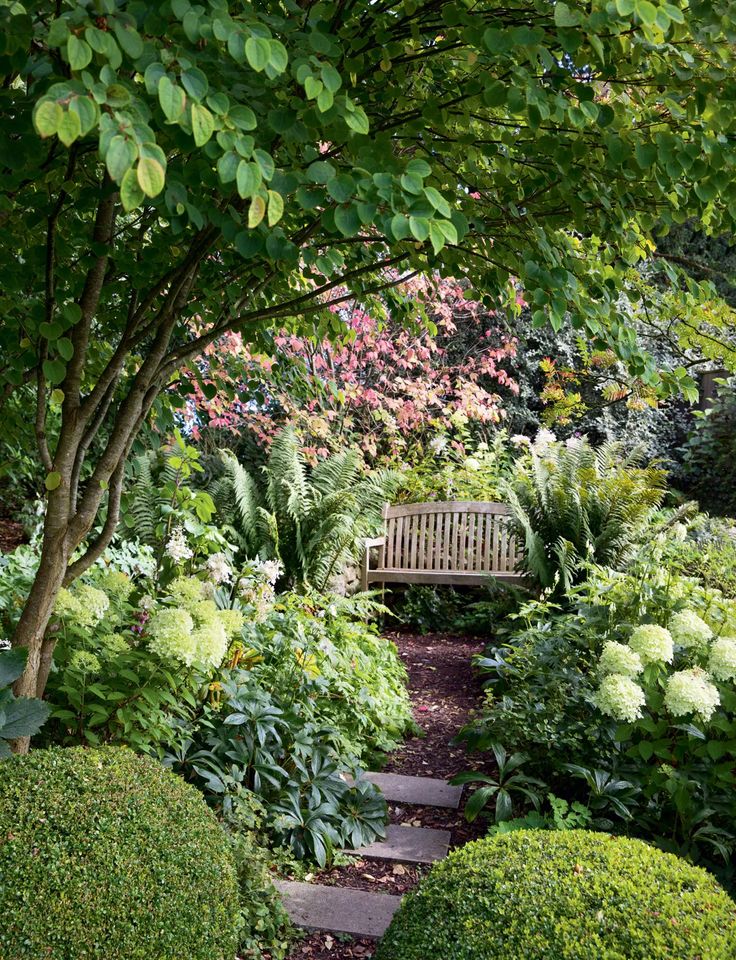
x=455, y=542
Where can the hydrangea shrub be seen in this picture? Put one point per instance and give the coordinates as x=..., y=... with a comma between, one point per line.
x=666, y=669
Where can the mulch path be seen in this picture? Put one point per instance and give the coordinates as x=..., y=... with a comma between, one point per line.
x=12, y=535
x=444, y=694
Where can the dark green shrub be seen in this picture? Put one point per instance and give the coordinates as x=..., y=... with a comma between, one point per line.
x=104, y=854
x=710, y=454
x=571, y=895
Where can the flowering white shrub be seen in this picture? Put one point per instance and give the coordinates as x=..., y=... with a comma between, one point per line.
x=232, y=620
x=689, y=630
x=691, y=691
x=186, y=590
x=113, y=644
x=652, y=643
x=619, y=658
x=116, y=584
x=170, y=635
x=722, y=659
x=210, y=643
x=85, y=662
x=256, y=584
x=194, y=631
x=619, y=697
x=177, y=547
x=83, y=605
x=219, y=569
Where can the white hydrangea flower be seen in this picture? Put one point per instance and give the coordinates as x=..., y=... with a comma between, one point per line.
x=94, y=602
x=186, y=590
x=619, y=697
x=177, y=547
x=472, y=463
x=232, y=621
x=691, y=691
x=147, y=603
x=116, y=584
x=722, y=661
x=67, y=606
x=219, y=568
x=114, y=644
x=171, y=635
x=438, y=445
x=689, y=630
x=210, y=643
x=85, y=605
x=85, y=662
x=519, y=440
x=652, y=643
x=572, y=443
x=619, y=658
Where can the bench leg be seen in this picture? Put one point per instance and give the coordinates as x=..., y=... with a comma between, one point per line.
x=364, y=571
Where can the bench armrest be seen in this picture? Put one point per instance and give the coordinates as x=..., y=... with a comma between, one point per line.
x=366, y=559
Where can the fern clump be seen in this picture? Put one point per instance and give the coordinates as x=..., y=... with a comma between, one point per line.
x=574, y=503
x=313, y=519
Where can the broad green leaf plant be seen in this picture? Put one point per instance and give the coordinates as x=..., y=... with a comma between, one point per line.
x=173, y=171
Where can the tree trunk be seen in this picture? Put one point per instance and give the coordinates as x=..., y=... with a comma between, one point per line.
x=34, y=620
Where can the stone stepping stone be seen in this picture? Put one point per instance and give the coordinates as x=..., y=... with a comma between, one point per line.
x=338, y=909
x=408, y=844
x=419, y=791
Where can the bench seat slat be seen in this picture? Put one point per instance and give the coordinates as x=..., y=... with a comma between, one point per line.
x=457, y=577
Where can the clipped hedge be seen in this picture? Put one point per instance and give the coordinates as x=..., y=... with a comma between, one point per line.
x=577, y=895
x=104, y=854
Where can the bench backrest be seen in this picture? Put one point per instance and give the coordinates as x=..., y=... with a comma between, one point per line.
x=453, y=535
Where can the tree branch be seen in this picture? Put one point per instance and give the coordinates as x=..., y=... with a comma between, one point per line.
x=98, y=546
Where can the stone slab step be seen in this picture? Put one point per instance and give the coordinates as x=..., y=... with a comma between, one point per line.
x=408, y=844
x=338, y=909
x=420, y=791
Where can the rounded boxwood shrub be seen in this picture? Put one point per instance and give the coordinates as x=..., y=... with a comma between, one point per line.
x=104, y=854
x=573, y=895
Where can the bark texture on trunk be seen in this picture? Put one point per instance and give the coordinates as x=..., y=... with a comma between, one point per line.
x=31, y=629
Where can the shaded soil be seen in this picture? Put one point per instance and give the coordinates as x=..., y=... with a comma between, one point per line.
x=378, y=876
x=444, y=695
x=12, y=535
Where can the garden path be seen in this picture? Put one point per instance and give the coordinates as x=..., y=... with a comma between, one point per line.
x=11, y=534
x=444, y=694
